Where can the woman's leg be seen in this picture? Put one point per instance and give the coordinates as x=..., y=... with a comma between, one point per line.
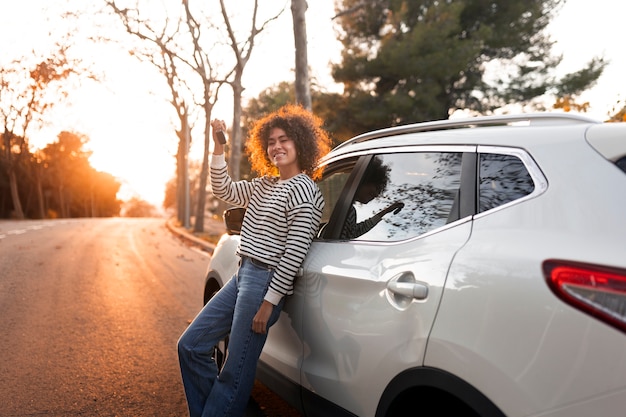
x=196, y=346
x=232, y=389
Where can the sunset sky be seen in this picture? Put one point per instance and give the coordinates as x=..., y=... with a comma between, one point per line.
x=130, y=124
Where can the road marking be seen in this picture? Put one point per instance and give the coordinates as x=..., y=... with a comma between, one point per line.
x=31, y=228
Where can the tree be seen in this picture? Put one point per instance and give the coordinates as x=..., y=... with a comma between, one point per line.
x=136, y=207
x=67, y=166
x=303, y=87
x=104, y=189
x=27, y=91
x=618, y=112
x=409, y=61
x=58, y=181
x=75, y=188
x=569, y=103
x=241, y=53
x=160, y=46
x=330, y=107
x=195, y=169
x=187, y=40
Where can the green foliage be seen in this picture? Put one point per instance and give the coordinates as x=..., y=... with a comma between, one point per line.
x=329, y=106
x=269, y=100
x=409, y=61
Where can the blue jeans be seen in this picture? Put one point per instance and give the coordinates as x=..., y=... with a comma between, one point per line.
x=211, y=392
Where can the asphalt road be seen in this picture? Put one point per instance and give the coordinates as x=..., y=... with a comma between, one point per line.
x=91, y=312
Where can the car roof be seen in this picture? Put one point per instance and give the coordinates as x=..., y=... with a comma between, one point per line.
x=506, y=130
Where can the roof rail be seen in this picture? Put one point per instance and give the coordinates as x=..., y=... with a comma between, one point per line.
x=533, y=119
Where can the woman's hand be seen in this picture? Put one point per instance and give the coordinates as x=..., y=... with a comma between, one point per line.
x=262, y=317
x=217, y=126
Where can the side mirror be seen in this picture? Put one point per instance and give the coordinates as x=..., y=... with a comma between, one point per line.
x=233, y=218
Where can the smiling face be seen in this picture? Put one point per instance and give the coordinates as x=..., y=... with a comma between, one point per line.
x=281, y=150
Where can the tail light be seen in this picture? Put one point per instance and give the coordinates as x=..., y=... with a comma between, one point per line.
x=597, y=290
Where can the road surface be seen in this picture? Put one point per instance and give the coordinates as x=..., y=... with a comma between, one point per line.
x=91, y=312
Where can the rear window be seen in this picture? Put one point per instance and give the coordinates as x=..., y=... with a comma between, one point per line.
x=502, y=179
x=621, y=164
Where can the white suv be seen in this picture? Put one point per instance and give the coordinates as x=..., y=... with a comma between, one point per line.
x=494, y=286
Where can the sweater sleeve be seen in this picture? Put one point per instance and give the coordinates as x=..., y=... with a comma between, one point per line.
x=234, y=192
x=218, y=161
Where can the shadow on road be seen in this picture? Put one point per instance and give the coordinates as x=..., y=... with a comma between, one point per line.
x=264, y=403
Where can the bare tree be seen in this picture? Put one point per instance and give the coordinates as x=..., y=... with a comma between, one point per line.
x=187, y=46
x=202, y=65
x=303, y=85
x=170, y=49
x=242, y=55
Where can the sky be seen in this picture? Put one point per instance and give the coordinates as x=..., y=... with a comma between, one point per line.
x=130, y=126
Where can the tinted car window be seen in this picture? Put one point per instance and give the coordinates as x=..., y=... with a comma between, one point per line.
x=621, y=164
x=421, y=185
x=331, y=186
x=502, y=179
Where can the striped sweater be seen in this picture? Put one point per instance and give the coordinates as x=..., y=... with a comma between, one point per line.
x=281, y=220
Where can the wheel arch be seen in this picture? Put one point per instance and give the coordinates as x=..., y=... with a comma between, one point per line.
x=211, y=285
x=445, y=393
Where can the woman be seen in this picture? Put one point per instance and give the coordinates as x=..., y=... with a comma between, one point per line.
x=283, y=212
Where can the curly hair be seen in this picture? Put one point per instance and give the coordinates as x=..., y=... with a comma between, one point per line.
x=302, y=127
x=377, y=174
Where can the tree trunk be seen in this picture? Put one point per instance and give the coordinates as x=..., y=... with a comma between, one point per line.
x=237, y=139
x=180, y=184
x=40, y=200
x=18, y=213
x=198, y=226
x=184, y=160
x=62, y=207
x=303, y=86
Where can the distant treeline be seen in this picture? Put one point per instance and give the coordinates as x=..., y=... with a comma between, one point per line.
x=54, y=182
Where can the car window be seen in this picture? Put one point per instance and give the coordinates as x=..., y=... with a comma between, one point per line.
x=403, y=195
x=502, y=179
x=331, y=186
x=621, y=163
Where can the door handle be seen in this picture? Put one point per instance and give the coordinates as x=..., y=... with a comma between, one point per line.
x=409, y=289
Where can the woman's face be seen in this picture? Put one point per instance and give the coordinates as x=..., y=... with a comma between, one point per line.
x=281, y=150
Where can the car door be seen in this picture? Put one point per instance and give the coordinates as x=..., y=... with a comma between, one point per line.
x=283, y=350
x=369, y=300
